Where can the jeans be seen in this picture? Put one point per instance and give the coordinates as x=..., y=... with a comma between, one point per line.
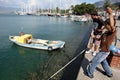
x=99, y=58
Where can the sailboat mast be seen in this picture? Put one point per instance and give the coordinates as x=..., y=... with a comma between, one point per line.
x=60, y=6
x=50, y=6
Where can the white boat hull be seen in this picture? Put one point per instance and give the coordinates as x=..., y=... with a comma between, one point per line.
x=42, y=46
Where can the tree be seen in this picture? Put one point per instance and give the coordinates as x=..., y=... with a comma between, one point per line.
x=117, y=5
x=107, y=3
x=57, y=9
x=83, y=8
x=90, y=8
x=113, y=6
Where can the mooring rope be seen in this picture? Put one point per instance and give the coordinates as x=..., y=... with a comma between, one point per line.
x=66, y=64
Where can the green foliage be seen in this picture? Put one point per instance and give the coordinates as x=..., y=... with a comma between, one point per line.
x=57, y=9
x=107, y=3
x=117, y=5
x=113, y=6
x=83, y=8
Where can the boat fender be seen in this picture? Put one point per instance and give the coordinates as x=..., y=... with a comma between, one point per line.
x=50, y=48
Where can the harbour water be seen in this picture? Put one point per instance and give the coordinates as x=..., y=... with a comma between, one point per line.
x=19, y=63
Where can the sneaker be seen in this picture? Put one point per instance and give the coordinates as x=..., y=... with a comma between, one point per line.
x=107, y=74
x=94, y=53
x=90, y=76
x=89, y=51
x=110, y=75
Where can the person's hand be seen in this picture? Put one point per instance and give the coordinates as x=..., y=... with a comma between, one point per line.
x=109, y=10
x=92, y=36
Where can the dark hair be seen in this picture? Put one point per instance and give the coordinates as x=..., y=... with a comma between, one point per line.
x=94, y=13
x=105, y=7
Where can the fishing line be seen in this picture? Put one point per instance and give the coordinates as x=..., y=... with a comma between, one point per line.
x=66, y=64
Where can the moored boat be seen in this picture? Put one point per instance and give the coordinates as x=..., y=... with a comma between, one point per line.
x=27, y=40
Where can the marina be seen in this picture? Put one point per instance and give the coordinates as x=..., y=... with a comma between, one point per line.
x=48, y=39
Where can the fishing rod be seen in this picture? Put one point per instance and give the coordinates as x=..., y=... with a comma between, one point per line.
x=66, y=65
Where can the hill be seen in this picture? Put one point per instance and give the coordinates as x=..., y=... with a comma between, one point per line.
x=7, y=9
x=101, y=3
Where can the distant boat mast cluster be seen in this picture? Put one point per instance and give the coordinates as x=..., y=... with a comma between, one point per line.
x=33, y=8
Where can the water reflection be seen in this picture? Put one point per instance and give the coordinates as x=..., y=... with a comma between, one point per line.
x=19, y=63
x=46, y=63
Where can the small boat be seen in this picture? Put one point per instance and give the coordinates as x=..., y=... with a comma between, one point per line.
x=27, y=40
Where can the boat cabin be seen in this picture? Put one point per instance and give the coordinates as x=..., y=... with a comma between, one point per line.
x=24, y=38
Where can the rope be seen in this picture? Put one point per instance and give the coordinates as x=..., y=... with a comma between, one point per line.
x=66, y=64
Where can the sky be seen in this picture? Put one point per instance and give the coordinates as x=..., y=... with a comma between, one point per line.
x=43, y=3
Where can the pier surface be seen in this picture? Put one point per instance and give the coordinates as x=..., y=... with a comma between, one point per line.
x=98, y=74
